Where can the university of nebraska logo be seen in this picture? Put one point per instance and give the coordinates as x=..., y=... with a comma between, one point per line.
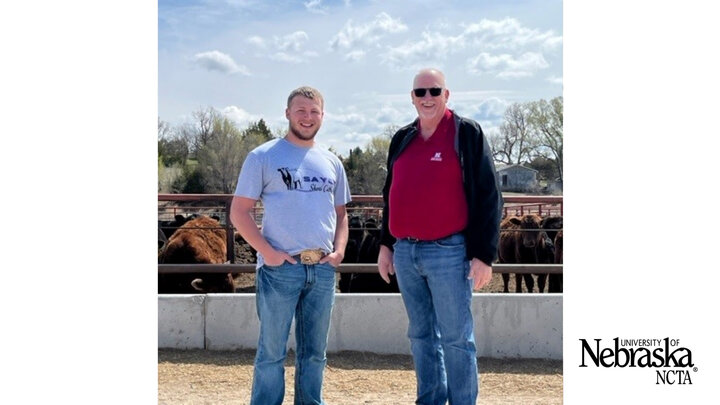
x=667, y=354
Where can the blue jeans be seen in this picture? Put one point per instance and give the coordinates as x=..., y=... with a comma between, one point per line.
x=306, y=292
x=437, y=294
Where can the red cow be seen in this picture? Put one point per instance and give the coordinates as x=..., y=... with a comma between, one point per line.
x=200, y=240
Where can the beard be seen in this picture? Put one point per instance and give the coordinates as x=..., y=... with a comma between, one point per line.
x=295, y=131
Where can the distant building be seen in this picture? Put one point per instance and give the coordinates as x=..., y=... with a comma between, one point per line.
x=517, y=178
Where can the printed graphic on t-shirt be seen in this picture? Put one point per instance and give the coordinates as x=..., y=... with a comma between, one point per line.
x=437, y=157
x=306, y=182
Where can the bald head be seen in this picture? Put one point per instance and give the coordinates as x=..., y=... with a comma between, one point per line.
x=429, y=74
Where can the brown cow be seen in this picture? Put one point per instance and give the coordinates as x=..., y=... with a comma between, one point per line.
x=200, y=240
x=521, y=238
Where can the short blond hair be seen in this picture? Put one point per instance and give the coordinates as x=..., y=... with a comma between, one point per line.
x=307, y=92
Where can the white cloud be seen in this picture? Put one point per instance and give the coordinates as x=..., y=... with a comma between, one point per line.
x=555, y=80
x=291, y=42
x=512, y=49
x=365, y=34
x=241, y=3
x=506, y=66
x=218, y=61
x=489, y=112
x=355, y=55
x=315, y=6
x=241, y=117
x=287, y=48
x=431, y=50
x=286, y=57
x=390, y=114
x=257, y=41
x=508, y=33
x=358, y=138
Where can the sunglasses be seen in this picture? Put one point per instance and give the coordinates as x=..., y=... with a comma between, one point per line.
x=434, y=91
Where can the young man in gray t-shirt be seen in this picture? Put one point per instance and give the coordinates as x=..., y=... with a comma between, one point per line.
x=304, y=191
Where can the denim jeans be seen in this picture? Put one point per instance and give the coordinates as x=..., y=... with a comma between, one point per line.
x=306, y=292
x=437, y=294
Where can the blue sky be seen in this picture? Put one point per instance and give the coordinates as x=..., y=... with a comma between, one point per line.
x=243, y=57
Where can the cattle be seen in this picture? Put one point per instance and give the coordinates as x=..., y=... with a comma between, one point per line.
x=545, y=250
x=552, y=226
x=521, y=239
x=352, y=250
x=555, y=284
x=169, y=227
x=370, y=245
x=369, y=248
x=197, y=241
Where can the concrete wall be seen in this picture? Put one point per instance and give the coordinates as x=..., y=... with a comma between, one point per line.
x=506, y=325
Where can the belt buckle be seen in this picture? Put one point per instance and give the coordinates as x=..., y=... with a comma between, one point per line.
x=413, y=240
x=311, y=256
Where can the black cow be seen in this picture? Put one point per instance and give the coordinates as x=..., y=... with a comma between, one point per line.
x=368, y=253
x=169, y=227
x=556, y=280
x=546, y=252
x=352, y=250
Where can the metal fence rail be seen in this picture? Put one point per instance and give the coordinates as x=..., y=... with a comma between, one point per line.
x=226, y=199
x=349, y=268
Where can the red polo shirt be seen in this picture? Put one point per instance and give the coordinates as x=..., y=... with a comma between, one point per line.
x=427, y=200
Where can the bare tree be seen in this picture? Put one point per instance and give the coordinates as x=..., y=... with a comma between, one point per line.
x=164, y=129
x=513, y=143
x=198, y=133
x=546, y=120
x=172, y=148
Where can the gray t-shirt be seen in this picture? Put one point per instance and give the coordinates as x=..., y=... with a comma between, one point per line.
x=299, y=188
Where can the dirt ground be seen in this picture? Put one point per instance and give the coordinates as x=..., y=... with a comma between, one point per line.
x=351, y=378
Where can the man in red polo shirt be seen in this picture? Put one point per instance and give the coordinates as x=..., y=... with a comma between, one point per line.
x=439, y=235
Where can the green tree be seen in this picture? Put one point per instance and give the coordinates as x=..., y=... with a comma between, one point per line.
x=221, y=157
x=259, y=128
x=366, y=169
x=547, y=169
x=190, y=181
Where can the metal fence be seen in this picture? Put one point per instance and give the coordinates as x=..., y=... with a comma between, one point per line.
x=365, y=206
